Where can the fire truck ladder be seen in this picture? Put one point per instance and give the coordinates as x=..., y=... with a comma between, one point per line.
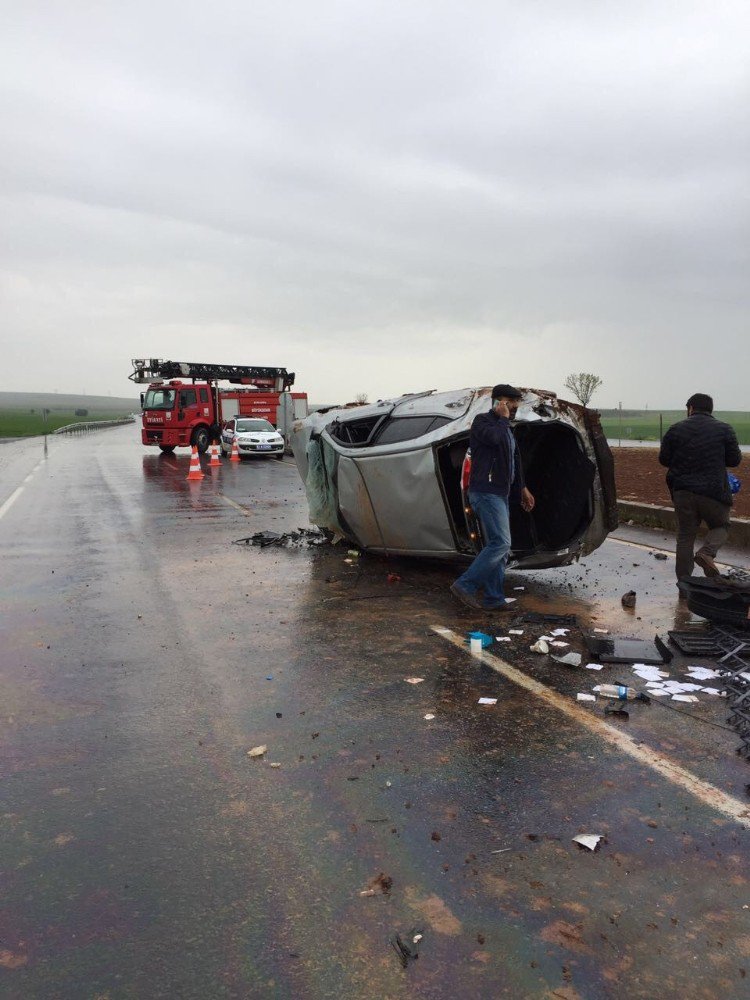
x=150, y=370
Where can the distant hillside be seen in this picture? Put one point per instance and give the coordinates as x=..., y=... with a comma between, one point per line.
x=68, y=401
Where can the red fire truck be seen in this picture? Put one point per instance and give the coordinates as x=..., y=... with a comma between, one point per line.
x=184, y=406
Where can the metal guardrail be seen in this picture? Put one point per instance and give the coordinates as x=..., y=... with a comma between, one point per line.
x=86, y=426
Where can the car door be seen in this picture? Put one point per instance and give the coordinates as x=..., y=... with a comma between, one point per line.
x=227, y=435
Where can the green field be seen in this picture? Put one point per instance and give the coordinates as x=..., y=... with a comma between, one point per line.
x=643, y=425
x=26, y=423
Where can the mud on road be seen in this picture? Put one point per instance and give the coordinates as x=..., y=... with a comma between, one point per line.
x=145, y=854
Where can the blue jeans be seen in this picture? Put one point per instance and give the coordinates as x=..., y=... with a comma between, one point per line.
x=488, y=568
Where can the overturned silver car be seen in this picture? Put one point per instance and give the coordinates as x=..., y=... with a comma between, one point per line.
x=392, y=477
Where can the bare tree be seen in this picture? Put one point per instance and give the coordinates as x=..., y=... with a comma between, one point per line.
x=583, y=386
x=361, y=398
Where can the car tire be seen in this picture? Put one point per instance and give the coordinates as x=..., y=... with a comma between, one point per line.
x=279, y=457
x=166, y=449
x=201, y=439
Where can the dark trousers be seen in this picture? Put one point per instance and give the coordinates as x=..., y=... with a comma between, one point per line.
x=691, y=509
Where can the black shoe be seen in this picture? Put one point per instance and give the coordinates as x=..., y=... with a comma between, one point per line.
x=706, y=563
x=465, y=597
x=504, y=606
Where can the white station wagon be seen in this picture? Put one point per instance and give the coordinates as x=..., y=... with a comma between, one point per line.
x=392, y=477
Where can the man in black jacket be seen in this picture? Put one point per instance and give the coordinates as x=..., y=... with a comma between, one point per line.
x=697, y=452
x=496, y=476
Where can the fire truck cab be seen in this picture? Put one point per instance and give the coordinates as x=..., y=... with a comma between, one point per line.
x=180, y=414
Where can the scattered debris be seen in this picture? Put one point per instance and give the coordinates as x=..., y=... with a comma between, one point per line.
x=569, y=659
x=502, y=850
x=484, y=639
x=628, y=599
x=257, y=751
x=662, y=556
x=487, y=701
x=581, y=696
x=594, y=666
x=301, y=538
x=589, y=840
x=540, y=646
x=625, y=650
x=429, y=717
x=393, y=578
x=407, y=947
x=379, y=885
x=515, y=631
x=414, y=680
x=602, y=631
x=502, y=638
x=274, y=764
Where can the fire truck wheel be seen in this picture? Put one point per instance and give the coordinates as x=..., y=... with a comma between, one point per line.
x=166, y=449
x=201, y=439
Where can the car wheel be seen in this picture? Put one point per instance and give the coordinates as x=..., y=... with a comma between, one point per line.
x=166, y=449
x=279, y=457
x=201, y=439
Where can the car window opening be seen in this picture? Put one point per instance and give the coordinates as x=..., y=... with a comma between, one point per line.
x=559, y=474
x=355, y=433
x=405, y=428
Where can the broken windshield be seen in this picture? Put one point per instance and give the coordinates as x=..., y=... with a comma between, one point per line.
x=159, y=399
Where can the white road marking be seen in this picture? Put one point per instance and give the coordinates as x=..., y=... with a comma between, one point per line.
x=708, y=794
x=656, y=548
x=239, y=507
x=11, y=500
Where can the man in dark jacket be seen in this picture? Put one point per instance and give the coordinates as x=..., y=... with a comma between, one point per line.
x=697, y=452
x=496, y=477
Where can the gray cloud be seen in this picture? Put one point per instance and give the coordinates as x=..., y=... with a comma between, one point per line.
x=384, y=197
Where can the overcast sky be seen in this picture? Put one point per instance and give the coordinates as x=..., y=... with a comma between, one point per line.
x=381, y=196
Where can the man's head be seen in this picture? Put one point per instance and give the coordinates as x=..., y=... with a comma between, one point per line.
x=507, y=394
x=699, y=402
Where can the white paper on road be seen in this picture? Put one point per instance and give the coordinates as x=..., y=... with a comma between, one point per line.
x=515, y=631
x=487, y=701
x=658, y=693
x=560, y=631
x=594, y=666
x=582, y=696
x=684, y=697
x=589, y=840
x=602, y=631
x=703, y=673
x=502, y=638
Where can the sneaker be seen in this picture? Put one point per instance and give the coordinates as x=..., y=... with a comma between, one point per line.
x=465, y=597
x=706, y=563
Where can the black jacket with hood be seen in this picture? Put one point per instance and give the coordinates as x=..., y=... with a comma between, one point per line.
x=697, y=452
x=495, y=458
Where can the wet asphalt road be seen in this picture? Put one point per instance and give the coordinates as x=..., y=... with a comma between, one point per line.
x=145, y=855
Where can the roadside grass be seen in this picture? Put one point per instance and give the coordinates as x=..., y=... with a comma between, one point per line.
x=643, y=425
x=27, y=423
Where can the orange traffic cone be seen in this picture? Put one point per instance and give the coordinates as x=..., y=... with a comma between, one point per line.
x=235, y=456
x=195, y=466
x=215, y=462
